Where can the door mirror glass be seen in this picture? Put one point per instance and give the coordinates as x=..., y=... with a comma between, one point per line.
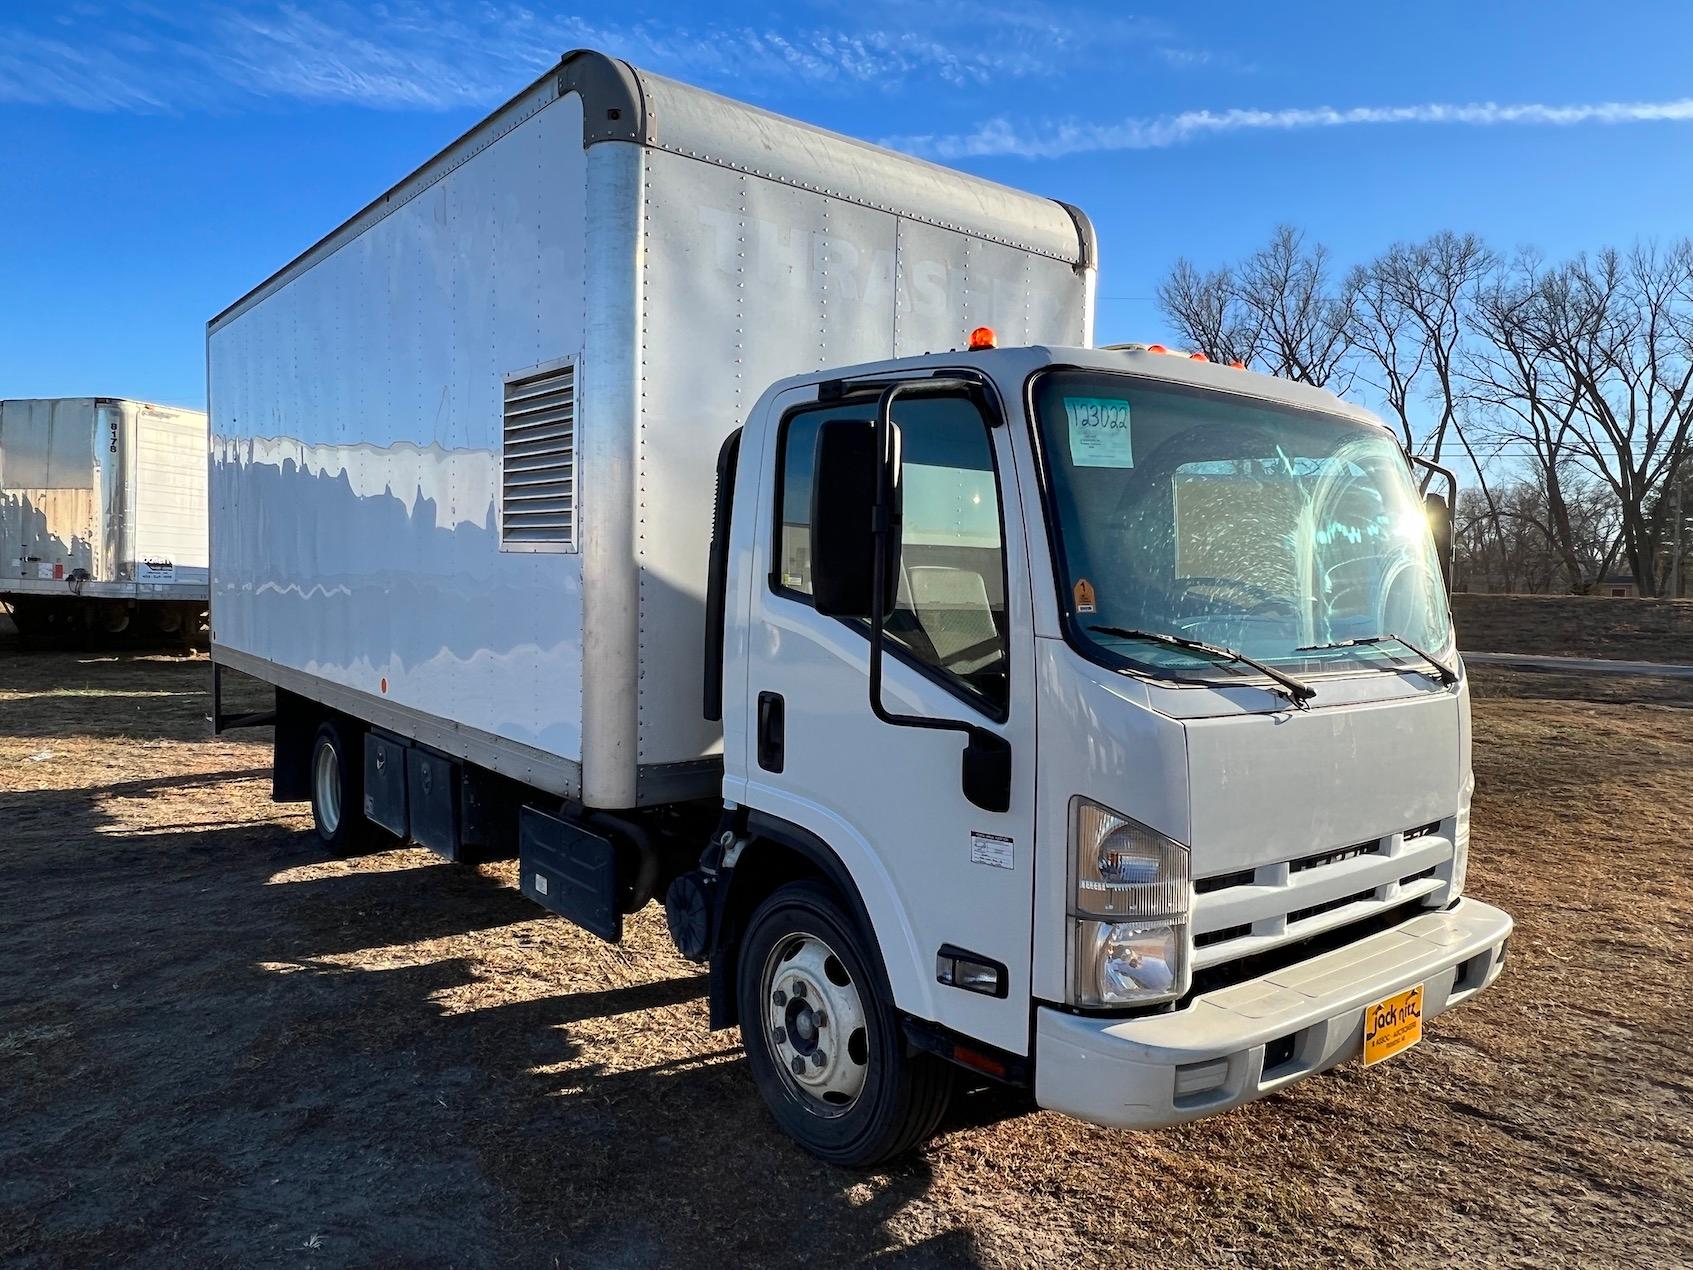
x=1440, y=525
x=845, y=474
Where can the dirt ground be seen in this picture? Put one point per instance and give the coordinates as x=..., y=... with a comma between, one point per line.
x=219, y=1046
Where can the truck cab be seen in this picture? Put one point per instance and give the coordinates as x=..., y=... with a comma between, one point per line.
x=1093, y=721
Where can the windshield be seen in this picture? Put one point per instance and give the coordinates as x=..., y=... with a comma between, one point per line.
x=1261, y=528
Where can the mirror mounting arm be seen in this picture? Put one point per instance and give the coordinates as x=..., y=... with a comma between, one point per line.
x=1446, y=540
x=987, y=754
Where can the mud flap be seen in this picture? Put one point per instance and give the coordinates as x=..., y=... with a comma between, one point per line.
x=570, y=871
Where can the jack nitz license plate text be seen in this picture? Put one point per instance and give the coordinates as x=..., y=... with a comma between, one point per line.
x=1393, y=1025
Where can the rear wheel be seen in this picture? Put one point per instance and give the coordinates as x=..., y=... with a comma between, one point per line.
x=823, y=1039
x=337, y=773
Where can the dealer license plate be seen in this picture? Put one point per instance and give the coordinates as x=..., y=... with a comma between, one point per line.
x=1393, y=1024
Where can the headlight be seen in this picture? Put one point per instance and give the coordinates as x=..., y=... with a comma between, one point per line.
x=1130, y=903
x=1461, y=838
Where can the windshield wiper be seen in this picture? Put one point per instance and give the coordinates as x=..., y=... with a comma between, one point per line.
x=1295, y=690
x=1444, y=673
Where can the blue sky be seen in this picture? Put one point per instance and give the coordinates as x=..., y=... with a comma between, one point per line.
x=158, y=157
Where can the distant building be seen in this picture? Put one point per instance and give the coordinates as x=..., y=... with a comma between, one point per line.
x=1618, y=585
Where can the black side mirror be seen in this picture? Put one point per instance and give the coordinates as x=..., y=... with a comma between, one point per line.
x=1440, y=525
x=844, y=477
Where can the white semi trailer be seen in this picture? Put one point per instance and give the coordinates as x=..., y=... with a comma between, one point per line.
x=615, y=489
x=102, y=519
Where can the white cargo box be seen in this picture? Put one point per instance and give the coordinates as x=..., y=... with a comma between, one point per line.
x=102, y=498
x=463, y=448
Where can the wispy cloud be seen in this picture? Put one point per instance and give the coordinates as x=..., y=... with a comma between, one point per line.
x=437, y=54
x=1055, y=138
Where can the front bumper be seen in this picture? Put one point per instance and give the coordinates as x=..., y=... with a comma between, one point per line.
x=1164, y=1069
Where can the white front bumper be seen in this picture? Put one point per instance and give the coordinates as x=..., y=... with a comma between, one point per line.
x=1163, y=1069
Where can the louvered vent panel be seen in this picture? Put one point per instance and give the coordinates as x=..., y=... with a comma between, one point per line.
x=538, y=462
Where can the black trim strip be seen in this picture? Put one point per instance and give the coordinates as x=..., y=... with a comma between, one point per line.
x=717, y=574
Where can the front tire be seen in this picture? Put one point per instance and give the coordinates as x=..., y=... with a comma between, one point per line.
x=823, y=1039
x=337, y=782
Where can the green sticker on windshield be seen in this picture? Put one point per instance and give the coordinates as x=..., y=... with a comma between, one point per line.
x=1099, y=432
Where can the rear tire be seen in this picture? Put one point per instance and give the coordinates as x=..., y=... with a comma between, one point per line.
x=336, y=771
x=838, y=1079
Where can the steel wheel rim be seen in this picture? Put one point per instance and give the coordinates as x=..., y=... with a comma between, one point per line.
x=326, y=779
x=815, y=1025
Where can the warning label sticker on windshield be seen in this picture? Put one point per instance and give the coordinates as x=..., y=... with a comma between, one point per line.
x=1099, y=432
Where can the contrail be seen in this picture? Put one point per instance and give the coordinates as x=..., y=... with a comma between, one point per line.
x=1056, y=138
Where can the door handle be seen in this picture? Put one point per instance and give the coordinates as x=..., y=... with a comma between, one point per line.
x=772, y=723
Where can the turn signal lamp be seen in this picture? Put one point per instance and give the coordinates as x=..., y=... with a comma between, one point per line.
x=1197, y=357
x=1156, y=348
x=983, y=337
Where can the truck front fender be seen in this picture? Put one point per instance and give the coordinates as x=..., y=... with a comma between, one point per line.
x=778, y=852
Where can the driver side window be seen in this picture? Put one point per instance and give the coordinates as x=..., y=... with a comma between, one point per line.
x=949, y=619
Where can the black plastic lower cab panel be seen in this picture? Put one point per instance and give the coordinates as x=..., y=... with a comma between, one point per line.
x=570, y=871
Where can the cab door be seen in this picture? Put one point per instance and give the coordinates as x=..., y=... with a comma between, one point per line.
x=938, y=875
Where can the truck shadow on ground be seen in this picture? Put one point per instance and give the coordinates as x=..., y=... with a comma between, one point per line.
x=223, y=1045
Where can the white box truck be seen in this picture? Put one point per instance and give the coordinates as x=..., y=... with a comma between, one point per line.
x=615, y=490
x=102, y=519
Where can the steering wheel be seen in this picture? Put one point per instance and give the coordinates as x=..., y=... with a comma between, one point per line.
x=1265, y=600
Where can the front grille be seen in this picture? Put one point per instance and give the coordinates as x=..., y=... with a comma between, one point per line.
x=1223, y=881
x=1295, y=951
x=1328, y=906
x=1222, y=936
x=1244, y=919
x=1334, y=857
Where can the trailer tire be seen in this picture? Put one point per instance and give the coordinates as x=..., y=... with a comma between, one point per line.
x=336, y=774
x=840, y=1079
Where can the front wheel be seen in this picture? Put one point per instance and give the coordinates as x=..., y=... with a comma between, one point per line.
x=823, y=1039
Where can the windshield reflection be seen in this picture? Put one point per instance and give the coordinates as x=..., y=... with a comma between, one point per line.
x=1277, y=532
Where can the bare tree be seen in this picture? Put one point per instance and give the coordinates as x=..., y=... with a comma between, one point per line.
x=1390, y=343
x=1432, y=282
x=1207, y=309
x=1410, y=309
x=1583, y=371
x=1305, y=320
x=1506, y=543
x=1513, y=383
x=1616, y=333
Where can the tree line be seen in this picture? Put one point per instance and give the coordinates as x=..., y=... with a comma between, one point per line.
x=1565, y=386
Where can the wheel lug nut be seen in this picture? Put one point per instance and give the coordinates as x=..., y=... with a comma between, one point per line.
x=779, y=997
x=820, y=1019
x=819, y=1058
x=781, y=1036
x=799, y=1065
x=799, y=991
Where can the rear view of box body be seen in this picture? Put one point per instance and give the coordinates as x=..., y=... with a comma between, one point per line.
x=102, y=498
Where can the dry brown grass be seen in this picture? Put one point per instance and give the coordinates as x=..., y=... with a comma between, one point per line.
x=218, y=1046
